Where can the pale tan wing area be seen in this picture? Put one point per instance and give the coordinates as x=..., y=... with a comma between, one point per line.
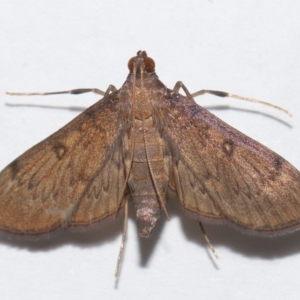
x=74, y=177
x=221, y=174
x=102, y=196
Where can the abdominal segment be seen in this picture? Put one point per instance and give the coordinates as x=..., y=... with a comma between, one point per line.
x=147, y=190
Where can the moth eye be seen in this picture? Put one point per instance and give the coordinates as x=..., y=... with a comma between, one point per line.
x=130, y=64
x=149, y=64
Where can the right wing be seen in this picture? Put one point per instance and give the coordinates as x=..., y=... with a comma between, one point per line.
x=223, y=175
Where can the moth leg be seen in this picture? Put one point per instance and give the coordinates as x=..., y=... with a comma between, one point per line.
x=109, y=90
x=117, y=271
x=179, y=85
x=225, y=94
x=208, y=242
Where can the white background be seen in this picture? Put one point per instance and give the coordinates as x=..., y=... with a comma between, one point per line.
x=249, y=48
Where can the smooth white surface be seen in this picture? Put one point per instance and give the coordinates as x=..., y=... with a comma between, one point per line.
x=249, y=48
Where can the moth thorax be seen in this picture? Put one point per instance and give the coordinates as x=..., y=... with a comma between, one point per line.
x=143, y=109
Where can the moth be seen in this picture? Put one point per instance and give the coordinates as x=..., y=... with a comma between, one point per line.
x=137, y=144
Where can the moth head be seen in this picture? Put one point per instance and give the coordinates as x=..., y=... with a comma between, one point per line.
x=141, y=61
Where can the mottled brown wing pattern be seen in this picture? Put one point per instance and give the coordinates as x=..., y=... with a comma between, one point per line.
x=221, y=174
x=57, y=182
x=193, y=194
x=101, y=198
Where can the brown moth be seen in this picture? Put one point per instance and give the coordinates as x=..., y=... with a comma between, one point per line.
x=137, y=143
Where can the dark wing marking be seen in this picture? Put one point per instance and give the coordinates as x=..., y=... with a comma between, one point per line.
x=221, y=174
x=74, y=177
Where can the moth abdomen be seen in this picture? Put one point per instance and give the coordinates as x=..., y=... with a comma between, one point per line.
x=147, y=179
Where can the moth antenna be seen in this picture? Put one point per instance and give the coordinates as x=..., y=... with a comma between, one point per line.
x=142, y=76
x=122, y=246
x=208, y=242
x=224, y=94
x=152, y=176
x=149, y=162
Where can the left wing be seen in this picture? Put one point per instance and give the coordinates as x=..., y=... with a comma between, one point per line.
x=74, y=177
